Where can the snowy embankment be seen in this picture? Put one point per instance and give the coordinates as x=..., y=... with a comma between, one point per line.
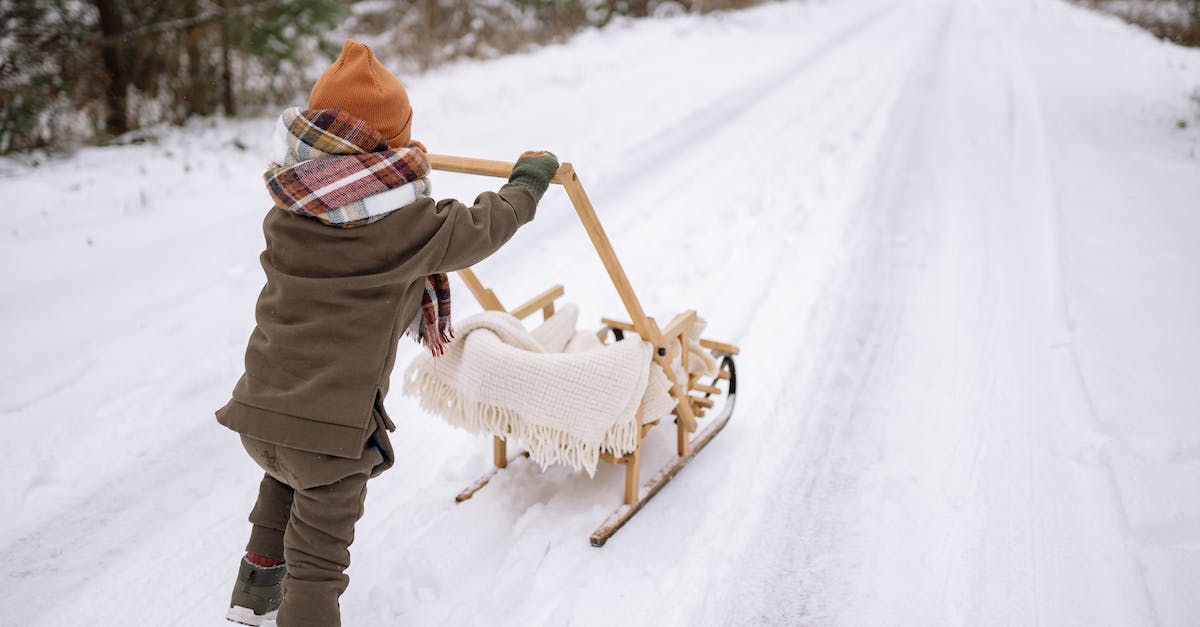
x=957, y=242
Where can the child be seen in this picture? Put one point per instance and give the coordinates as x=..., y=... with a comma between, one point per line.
x=356, y=255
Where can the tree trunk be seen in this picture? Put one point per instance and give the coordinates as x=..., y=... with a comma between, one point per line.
x=227, y=101
x=112, y=54
x=425, y=33
x=198, y=100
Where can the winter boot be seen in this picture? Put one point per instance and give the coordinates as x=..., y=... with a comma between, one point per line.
x=257, y=594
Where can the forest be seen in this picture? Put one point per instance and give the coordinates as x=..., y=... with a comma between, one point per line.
x=75, y=73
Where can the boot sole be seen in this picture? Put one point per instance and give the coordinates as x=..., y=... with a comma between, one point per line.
x=246, y=616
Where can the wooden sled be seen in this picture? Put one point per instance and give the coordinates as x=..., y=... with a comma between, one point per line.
x=694, y=397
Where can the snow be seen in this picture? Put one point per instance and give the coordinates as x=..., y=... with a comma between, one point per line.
x=956, y=241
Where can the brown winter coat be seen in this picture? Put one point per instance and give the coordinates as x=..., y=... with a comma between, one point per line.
x=334, y=307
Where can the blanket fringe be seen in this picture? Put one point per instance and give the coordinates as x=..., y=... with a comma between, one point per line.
x=546, y=445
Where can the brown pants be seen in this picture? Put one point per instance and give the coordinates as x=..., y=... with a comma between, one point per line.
x=307, y=507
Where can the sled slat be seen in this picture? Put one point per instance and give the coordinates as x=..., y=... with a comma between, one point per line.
x=486, y=297
x=499, y=452
x=541, y=301
x=633, y=475
x=617, y=324
x=483, y=480
x=700, y=387
x=679, y=324
x=613, y=459
x=720, y=347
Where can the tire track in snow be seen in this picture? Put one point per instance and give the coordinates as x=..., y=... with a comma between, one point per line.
x=921, y=490
x=1106, y=587
x=792, y=555
x=688, y=133
x=154, y=513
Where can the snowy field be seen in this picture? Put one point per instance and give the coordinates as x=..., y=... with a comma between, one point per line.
x=958, y=242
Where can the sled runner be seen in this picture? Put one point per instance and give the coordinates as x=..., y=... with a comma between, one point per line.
x=694, y=396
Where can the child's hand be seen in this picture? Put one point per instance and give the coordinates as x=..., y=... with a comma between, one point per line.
x=418, y=145
x=533, y=171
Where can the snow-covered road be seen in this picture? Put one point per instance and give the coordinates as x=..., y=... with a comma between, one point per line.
x=956, y=241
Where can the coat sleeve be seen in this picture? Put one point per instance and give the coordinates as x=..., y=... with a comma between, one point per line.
x=470, y=233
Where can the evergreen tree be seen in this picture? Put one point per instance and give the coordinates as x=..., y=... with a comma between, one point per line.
x=73, y=71
x=156, y=61
x=40, y=83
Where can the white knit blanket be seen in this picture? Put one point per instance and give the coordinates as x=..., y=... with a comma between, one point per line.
x=561, y=392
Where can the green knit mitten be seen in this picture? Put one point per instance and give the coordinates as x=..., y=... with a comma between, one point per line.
x=533, y=171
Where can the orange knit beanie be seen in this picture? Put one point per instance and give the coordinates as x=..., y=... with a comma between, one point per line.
x=358, y=84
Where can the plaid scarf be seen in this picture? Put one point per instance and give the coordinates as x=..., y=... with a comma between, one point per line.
x=338, y=169
x=431, y=327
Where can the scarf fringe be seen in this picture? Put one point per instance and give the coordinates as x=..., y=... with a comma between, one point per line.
x=546, y=445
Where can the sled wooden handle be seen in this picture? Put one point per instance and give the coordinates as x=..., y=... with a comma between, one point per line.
x=488, y=167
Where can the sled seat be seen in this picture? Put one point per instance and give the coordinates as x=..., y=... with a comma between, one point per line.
x=559, y=390
x=703, y=388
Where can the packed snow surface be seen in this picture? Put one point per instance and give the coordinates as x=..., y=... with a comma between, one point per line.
x=956, y=240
